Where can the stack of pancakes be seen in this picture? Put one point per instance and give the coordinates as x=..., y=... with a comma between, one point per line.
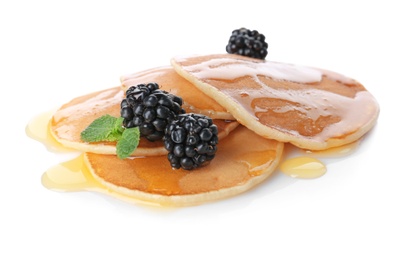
x=257, y=105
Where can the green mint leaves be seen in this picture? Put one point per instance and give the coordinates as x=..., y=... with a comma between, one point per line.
x=128, y=142
x=109, y=128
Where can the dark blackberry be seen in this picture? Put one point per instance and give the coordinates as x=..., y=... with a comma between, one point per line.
x=191, y=140
x=247, y=43
x=150, y=108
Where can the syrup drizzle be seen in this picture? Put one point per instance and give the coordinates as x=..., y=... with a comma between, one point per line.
x=214, y=68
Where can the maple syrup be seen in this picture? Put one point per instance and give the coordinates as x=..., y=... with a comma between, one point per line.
x=38, y=129
x=73, y=175
x=307, y=164
x=303, y=167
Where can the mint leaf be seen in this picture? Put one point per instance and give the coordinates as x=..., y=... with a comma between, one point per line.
x=101, y=129
x=109, y=128
x=128, y=142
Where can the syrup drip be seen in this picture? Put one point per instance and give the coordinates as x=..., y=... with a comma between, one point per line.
x=37, y=129
x=73, y=175
x=339, y=151
x=70, y=175
x=303, y=167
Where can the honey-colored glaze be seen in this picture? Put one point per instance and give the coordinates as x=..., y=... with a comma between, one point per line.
x=38, y=129
x=243, y=159
x=73, y=176
x=72, y=118
x=311, y=108
x=334, y=152
x=168, y=80
x=303, y=167
x=339, y=151
x=307, y=164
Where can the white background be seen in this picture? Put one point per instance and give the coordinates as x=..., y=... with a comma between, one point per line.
x=363, y=208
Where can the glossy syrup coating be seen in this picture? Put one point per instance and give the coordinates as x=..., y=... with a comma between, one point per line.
x=311, y=108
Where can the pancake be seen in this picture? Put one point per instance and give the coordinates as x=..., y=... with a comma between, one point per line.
x=243, y=160
x=168, y=80
x=73, y=117
x=308, y=107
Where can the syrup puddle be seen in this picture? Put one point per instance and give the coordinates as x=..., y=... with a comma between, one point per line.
x=303, y=167
x=37, y=129
x=306, y=164
x=73, y=175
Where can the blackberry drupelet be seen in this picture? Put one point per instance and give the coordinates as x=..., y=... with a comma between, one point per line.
x=191, y=140
x=248, y=43
x=151, y=109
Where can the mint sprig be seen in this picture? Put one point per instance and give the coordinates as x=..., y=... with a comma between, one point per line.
x=110, y=128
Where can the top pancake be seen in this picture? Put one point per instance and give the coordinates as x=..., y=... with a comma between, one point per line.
x=308, y=107
x=193, y=99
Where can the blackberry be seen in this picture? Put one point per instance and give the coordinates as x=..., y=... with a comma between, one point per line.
x=150, y=108
x=191, y=140
x=247, y=43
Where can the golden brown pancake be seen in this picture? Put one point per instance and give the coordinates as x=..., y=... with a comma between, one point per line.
x=72, y=118
x=243, y=160
x=194, y=100
x=310, y=108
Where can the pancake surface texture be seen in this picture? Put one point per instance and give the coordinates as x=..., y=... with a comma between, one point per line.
x=243, y=160
x=310, y=108
x=168, y=80
x=73, y=117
